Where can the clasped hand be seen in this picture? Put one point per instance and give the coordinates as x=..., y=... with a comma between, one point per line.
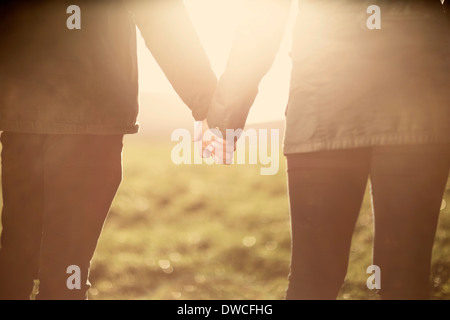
x=214, y=144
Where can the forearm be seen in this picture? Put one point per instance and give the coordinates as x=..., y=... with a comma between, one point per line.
x=170, y=36
x=255, y=46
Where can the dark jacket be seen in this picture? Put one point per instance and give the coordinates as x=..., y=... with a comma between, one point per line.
x=351, y=87
x=59, y=81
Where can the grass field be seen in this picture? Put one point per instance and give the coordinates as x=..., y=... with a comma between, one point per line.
x=215, y=232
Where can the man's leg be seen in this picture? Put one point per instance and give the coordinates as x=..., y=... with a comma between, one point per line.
x=82, y=175
x=23, y=205
x=408, y=183
x=326, y=190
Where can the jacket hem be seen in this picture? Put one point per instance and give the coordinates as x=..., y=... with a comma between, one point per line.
x=64, y=128
x=362, y=142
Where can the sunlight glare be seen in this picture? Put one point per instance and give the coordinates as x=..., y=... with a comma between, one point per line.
x=216, y=22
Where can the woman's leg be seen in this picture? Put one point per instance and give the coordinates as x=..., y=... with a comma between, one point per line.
x=408, y=183
x=326, y=190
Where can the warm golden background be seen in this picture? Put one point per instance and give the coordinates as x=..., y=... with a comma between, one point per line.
x=214, y=232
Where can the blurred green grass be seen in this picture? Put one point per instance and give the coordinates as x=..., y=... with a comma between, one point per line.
x=216, y=232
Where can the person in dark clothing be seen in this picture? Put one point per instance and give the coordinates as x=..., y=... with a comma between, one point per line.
x=67, y=98
x=364, y=103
